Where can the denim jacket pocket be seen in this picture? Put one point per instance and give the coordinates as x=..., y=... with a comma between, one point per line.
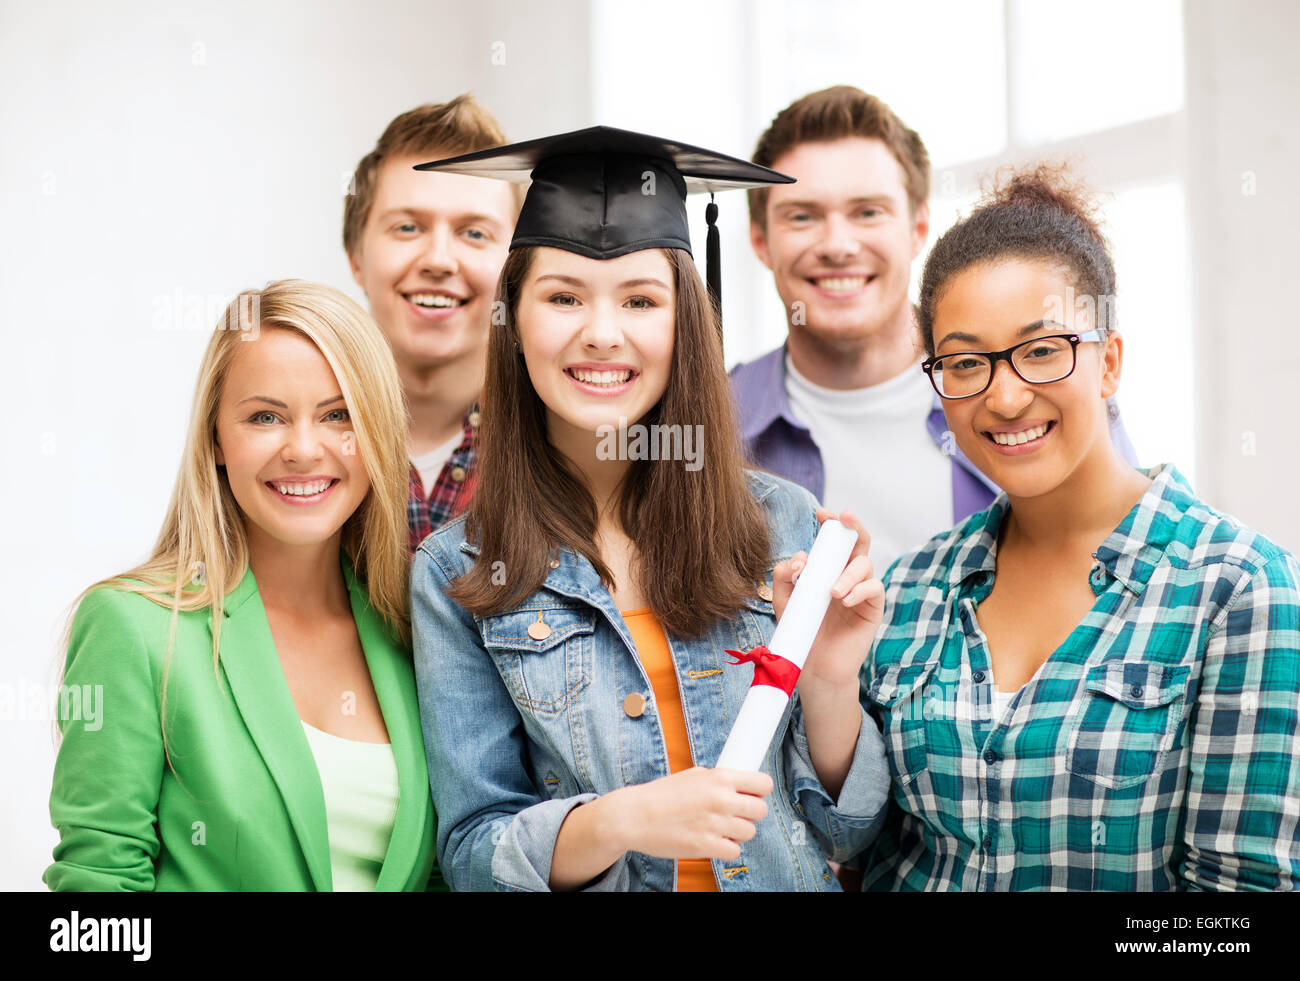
x=1127, y=723
x=543, y=653
x=898, y=692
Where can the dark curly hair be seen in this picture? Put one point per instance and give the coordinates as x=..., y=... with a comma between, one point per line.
x=1039, y=212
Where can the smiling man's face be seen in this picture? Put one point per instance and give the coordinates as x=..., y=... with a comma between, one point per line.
x=841, y=240
x=429, y=257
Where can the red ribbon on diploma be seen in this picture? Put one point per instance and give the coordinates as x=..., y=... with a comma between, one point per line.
x=769, y=669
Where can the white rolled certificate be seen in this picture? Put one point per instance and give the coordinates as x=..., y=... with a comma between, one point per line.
x=777, y=665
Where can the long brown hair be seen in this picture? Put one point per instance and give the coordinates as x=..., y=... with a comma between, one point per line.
x=701, y=538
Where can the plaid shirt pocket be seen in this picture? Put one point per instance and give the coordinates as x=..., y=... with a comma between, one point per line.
x=898, y=691
x=1130, y=714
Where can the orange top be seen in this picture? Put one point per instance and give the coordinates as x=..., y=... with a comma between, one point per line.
x=694, y=874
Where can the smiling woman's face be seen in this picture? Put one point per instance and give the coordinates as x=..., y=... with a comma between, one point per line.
x=991, y=306
x=597, y=336
x=285, y=437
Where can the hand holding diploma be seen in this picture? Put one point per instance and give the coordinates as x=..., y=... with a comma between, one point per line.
x=856, y=609
x=829, y=685
x=830, y=660
x=709, y=812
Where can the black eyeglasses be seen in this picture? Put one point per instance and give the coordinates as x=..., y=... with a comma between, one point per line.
x=1039, y=361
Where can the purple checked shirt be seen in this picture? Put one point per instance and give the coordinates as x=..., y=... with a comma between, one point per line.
x=776, y=441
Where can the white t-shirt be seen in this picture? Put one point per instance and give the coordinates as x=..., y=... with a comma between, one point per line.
x=430, y=464
x=878, y=457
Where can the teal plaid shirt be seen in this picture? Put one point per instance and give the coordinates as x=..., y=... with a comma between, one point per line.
x=1157, y=749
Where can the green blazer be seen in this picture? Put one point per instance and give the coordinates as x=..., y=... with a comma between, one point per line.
x=243, y=807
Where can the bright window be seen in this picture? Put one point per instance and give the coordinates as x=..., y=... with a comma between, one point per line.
x=940, y=66
x=1148, y=228
x=1082, y=69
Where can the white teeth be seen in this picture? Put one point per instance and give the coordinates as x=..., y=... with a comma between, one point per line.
x=302, y=490
x=434, y=300
x=600, y=377
x=1015, y=439
x=843, y=283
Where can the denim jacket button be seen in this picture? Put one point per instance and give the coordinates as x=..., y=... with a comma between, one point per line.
x=555, y=563
x=634, y=705
x=765, y=592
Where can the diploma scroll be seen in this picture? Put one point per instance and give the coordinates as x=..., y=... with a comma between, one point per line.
x=777, y=665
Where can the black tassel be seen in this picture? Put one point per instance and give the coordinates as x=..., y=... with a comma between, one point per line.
x=713, y=261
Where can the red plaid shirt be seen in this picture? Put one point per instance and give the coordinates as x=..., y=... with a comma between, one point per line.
x=451, y=492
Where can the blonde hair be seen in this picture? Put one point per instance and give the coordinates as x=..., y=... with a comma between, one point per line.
x=203, y=541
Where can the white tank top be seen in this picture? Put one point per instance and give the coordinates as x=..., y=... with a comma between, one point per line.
x=1001, y=699
x=361, y=792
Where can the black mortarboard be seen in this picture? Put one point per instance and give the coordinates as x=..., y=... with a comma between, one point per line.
x=603, y=192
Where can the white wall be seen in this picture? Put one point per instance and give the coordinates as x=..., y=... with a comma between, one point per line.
x=157, y=158
x=529, y=63
x=1243, y=103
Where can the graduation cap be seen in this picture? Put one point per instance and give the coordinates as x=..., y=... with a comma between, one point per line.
x=603, y=192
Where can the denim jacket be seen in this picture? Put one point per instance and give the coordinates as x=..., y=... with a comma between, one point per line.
x=519, y=731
